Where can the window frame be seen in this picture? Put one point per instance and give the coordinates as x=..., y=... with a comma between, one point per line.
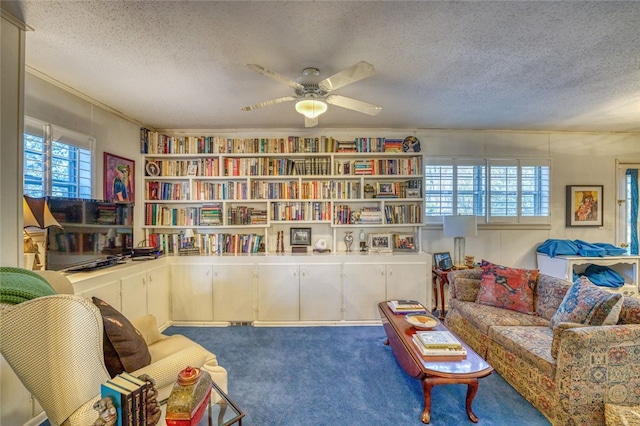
x=482, y=206
x=84, y=178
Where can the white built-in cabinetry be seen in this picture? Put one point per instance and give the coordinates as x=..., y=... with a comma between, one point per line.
x=565, y=266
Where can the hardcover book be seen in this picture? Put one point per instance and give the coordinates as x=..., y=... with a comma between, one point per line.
x=438, y=340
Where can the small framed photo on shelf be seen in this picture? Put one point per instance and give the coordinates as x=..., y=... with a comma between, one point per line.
x=413, y=193
x=300, y=236
x=385, y=189
x=584, y=205
x=192, y=170
x=442, y=261
x=380, y=243
x=404, y=242
x=152, y=168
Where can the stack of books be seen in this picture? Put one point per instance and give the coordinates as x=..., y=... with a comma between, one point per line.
x=438, y=343
x=129, y=396
x=405, y=306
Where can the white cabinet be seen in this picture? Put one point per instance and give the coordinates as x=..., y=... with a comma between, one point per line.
x=158, y=287
x=368, y=284
x=408, y=281
x=364, y=288
x=320, y=292
x=565, y=266
x=133, y=289
x=278, y=292
x=108, y=291
x=192, y=292
x=233, y=290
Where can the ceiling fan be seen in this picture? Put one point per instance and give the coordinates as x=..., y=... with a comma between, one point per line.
x=312, y=96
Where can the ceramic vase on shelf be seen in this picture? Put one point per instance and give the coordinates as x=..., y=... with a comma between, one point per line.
x=348, y=240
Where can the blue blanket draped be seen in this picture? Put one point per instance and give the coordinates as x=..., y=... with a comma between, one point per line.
x=555, y=247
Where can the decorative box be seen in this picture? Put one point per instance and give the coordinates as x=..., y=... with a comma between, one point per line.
x=189, y=397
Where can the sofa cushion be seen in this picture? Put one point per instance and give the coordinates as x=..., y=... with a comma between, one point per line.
x=509, y=288
x=585, y=303
x=550, y=292
x=124, y=347
x=530, y=343
x=484, y=316
x=630, y=313
x=616, y=415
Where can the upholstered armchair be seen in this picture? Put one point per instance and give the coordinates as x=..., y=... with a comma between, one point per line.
x=54, y=344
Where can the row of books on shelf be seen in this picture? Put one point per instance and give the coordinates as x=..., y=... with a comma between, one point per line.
x=317, y=210
x=129, y=396
x=263, y=166
x=207, y=244
x=205, y=167
x=156, y=143
x=379, y=166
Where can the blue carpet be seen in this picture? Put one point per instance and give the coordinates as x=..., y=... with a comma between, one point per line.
x=316, y=376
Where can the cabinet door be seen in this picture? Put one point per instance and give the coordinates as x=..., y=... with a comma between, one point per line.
x=191, y=293
x=364, y=288
x=109, y=292
x=278, y=292
x=233, y=292
x=320, y=292
x=158, y=281
x=407, y=281
x=134, y=295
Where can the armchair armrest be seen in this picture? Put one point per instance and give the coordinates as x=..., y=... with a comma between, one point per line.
x=597, y=364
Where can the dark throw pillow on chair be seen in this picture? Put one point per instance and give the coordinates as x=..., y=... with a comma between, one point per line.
x=123, y=346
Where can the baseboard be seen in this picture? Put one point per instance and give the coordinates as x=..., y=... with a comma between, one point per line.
x=38, y=420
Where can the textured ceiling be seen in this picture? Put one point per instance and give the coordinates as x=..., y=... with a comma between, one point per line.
x=460, y=65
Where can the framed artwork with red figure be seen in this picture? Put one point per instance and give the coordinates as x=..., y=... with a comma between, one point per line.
x=584, y=205
x=119, y=176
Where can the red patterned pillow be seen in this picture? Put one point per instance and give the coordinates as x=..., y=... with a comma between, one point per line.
x=509, y=288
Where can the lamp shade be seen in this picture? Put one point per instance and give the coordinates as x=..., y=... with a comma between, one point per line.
x=311, y=108
x=36, y=213
x=460, y=226
x=188, y=233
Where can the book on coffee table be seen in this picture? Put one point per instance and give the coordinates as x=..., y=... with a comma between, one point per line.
x=444, y=352
x=438, y=339
x=405, y=306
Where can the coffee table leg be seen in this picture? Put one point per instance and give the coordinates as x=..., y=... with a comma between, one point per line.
x=427, y=385
x=472, y=389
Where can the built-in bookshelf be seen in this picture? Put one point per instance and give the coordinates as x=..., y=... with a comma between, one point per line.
x=215, y=184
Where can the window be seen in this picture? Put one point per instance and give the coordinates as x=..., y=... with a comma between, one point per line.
x=496, y=190
x=57, y=162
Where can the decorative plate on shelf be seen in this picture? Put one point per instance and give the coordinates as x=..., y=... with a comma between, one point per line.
x=421, y=321
x=411, y=144
x=152, y=168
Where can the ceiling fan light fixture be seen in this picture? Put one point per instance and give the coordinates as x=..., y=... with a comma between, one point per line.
x=311, y=108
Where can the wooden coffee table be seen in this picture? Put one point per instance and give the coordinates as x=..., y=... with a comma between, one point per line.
x=432, y=370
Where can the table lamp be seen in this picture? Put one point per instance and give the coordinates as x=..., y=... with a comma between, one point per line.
x=459, y=227
x=188, y=236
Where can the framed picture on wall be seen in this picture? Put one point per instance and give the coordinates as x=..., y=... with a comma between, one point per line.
x=584, y=205
x=119, y=176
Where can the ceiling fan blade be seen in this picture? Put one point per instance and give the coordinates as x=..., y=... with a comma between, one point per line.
x=347, y=76
x=274, y=75
x=267, y=103
x=354, y=104
x=310, y=122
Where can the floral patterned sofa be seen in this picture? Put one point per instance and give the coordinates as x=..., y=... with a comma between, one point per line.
x=589, y=366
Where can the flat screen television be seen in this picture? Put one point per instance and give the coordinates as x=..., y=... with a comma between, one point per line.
x=94, y=233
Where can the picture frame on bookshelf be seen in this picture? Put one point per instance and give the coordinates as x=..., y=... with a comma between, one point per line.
x=385, y=189
x=404, y=242
x=380, y=243
x=152, y=168
x=300, y=236
x=442, y=261
x=119, y=178
x=413, y=193
x=192, y=170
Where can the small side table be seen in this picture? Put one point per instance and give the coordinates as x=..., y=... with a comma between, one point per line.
x=440, y=277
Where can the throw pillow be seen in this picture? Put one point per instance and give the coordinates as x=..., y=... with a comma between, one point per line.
x=585, y=303
x=123, y=346
x=509, y=288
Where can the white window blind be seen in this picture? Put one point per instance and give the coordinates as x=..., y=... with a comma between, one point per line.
x=57, y=162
